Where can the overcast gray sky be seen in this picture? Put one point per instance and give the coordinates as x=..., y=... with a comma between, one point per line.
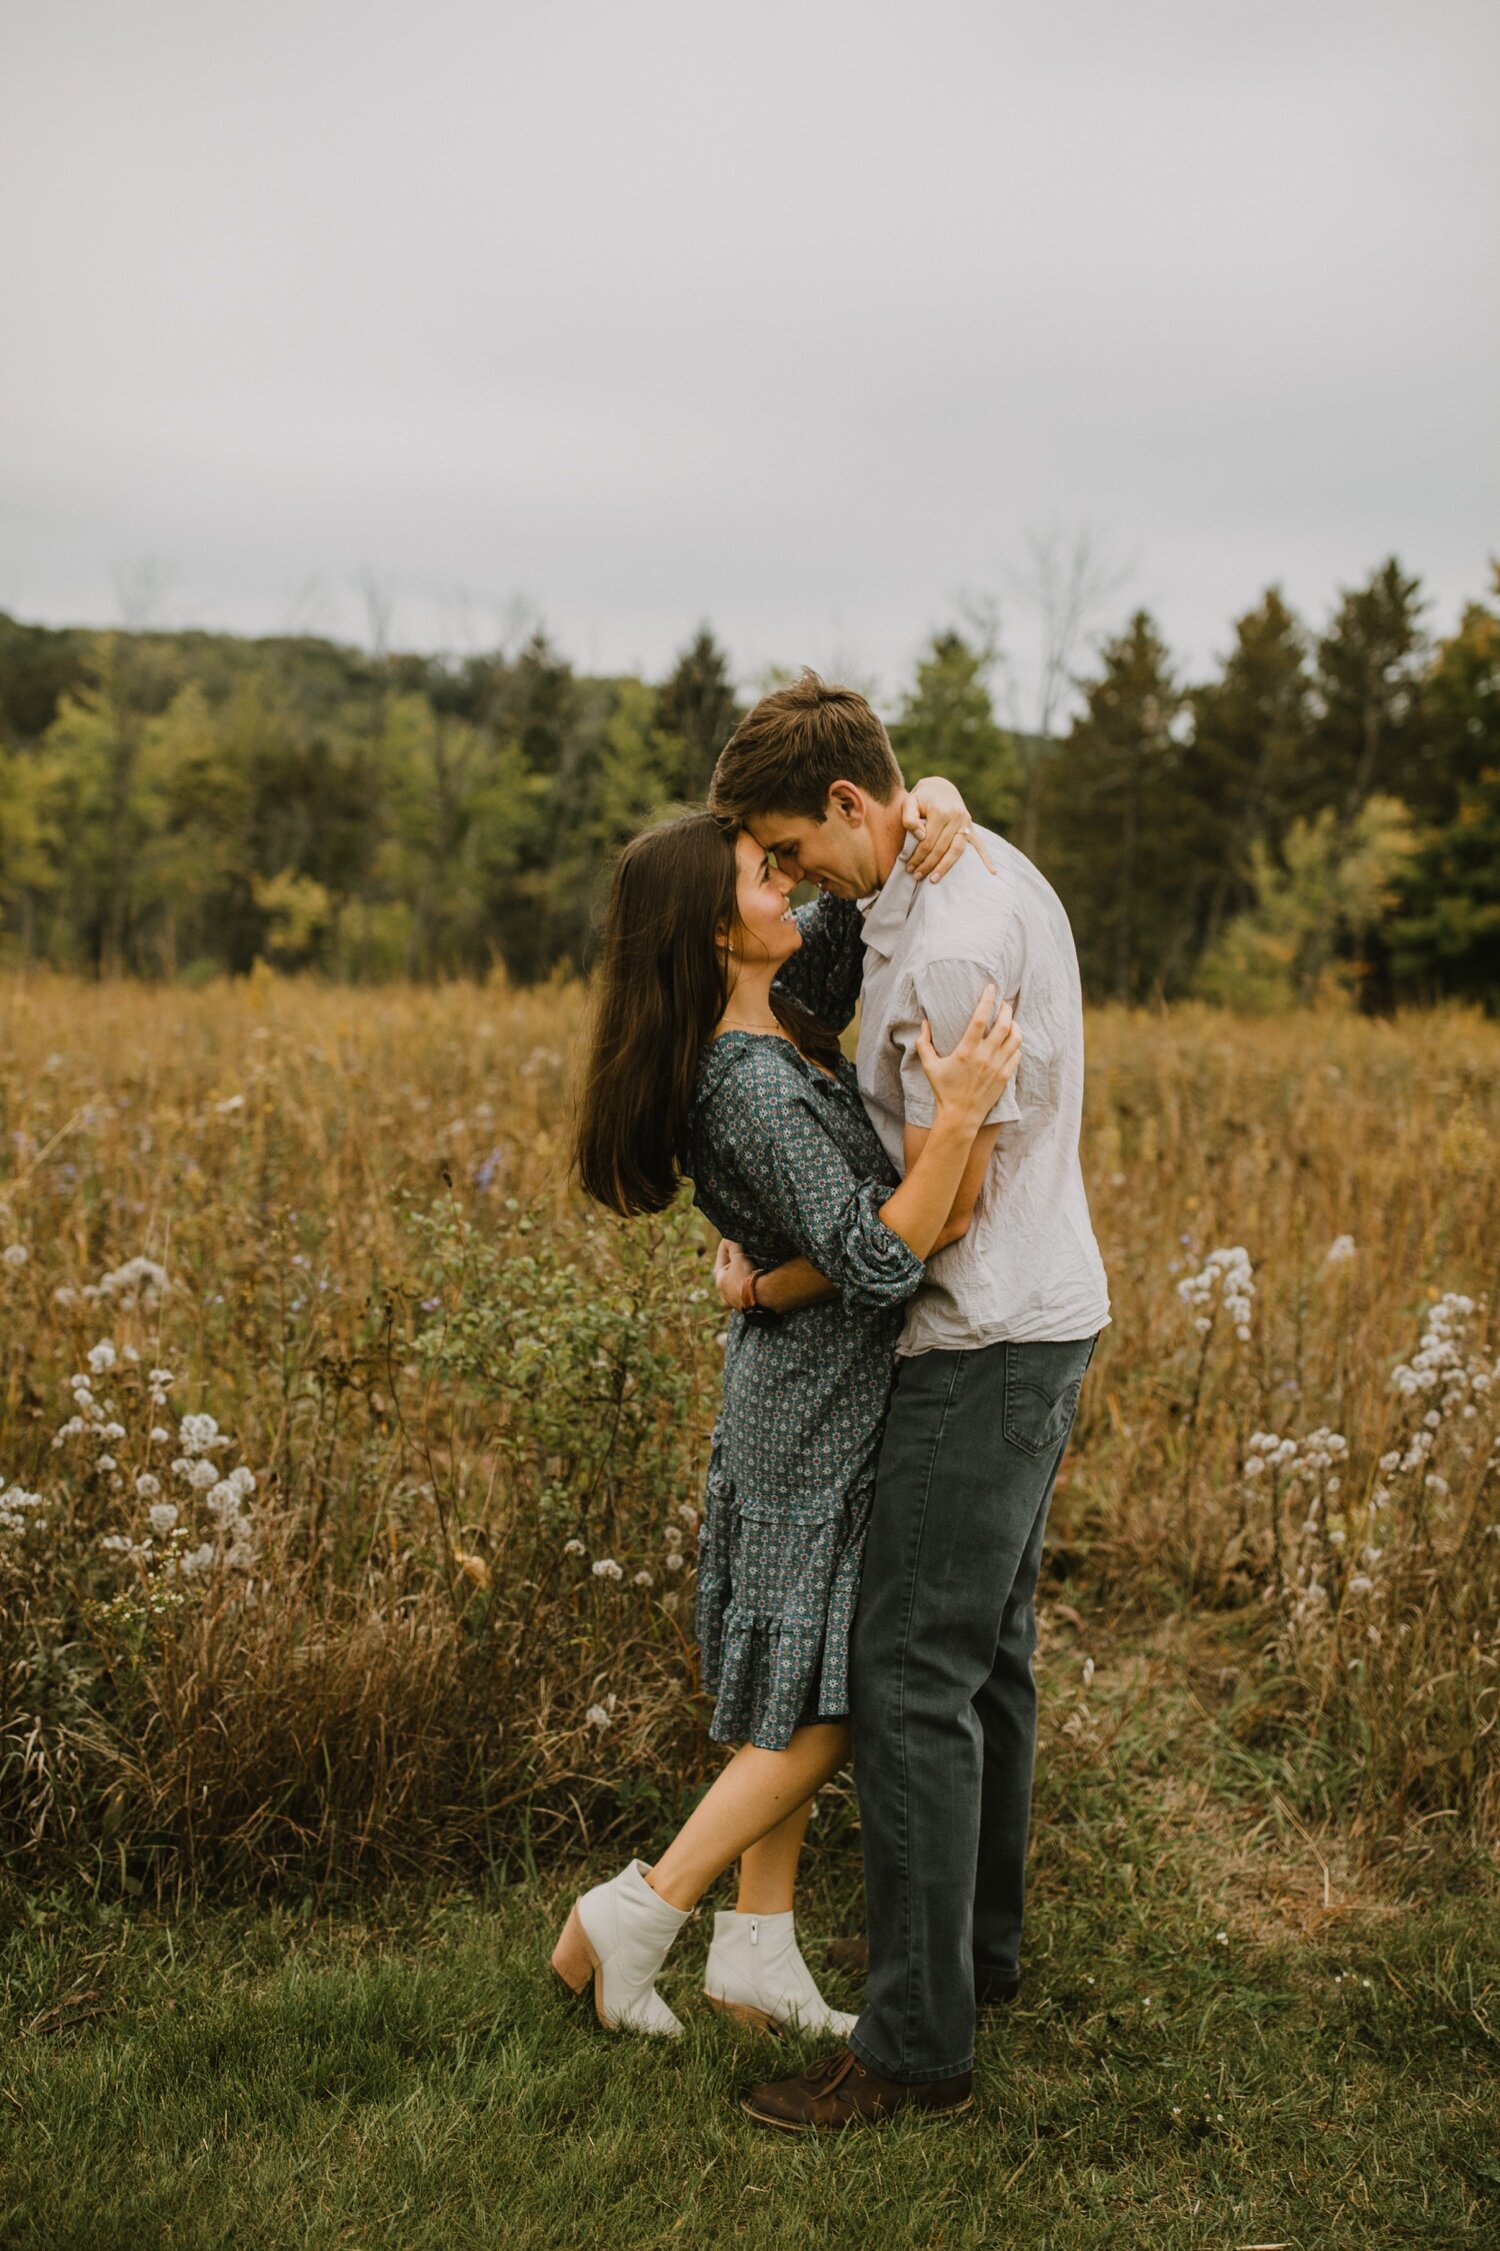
x=792, y=316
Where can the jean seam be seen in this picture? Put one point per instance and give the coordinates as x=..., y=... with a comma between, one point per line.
x=913, y=1556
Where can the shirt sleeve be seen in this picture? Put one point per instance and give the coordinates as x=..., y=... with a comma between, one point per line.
x=947, y=994
x=811, y=1196
x=826, y=971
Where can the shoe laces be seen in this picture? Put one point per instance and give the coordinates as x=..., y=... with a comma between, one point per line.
x=829, y=2070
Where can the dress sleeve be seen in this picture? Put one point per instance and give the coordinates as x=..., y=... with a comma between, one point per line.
x=809, y=1192
x=826, y=971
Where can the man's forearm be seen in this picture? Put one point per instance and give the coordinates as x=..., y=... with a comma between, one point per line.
x=786, y=1289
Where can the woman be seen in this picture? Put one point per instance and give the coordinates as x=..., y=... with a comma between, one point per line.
x=703, y=1065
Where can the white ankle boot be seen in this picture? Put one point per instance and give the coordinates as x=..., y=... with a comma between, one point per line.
x=756, y=1972
x=619, y=1934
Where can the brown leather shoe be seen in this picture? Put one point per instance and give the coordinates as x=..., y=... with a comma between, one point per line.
x=841, y=2091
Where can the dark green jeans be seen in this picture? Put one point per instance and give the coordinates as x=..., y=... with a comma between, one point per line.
x=942, y=1697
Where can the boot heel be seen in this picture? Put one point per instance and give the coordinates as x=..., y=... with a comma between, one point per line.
x=744, y=2013
x=573, y=1958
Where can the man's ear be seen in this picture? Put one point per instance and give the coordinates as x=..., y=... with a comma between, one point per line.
x=846, y=801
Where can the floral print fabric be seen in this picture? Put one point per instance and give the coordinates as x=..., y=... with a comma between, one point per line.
x=787, y=1163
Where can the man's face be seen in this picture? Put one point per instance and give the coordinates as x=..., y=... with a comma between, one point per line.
x=838, y=853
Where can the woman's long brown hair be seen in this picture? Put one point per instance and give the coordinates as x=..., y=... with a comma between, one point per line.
x=660, y=986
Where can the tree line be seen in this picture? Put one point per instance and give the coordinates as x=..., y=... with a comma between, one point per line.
x=1319, y=818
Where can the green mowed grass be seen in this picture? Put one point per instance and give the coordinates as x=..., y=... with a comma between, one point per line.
x=246, y=2082
x=1228, y=2036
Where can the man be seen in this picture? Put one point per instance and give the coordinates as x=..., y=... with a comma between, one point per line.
x=993, y=1353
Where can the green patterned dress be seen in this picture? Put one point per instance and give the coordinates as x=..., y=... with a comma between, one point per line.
x=785, y=1161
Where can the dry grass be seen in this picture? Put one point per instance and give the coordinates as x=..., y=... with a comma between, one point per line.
x=441, y=1370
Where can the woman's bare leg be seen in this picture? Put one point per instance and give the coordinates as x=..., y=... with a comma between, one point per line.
x=755, y=1795
x=768, y=1870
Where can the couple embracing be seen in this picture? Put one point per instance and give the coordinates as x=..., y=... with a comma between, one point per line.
x=917, y=1292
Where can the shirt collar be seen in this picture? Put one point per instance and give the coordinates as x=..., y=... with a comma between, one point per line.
x=885, y=911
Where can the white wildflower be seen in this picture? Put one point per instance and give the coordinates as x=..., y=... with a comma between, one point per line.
x=101, y=1356
x=596, y=1716
x=1226, y=1278
x=138, y=1279
x=200, y=1434
x=643, y=1579
x=163, y=1517
x=1088, y=1672
x=15, y=1255
x=607, y=1568
x=573, y=1547
x=159, y=1436
x=148, y=1487
x=673, y=1559
x=242, y=1480
x=106, y=1462
x=201, y=1475
x=196, y=1560
x=16, y=1505
x=64, y=1294
x=1340, y=1250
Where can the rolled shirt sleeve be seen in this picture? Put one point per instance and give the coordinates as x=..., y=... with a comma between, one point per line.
x=947, y=994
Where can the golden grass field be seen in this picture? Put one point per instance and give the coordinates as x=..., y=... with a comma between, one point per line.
x=457, y=1391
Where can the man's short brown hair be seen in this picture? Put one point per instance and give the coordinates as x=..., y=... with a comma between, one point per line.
x=786, y=754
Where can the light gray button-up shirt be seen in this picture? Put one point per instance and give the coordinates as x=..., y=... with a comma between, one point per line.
x=1028, y=1269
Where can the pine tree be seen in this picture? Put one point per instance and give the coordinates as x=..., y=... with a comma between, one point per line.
x=947, y=725
x=1122, y=830
x=1250, y=732
x=1368, y=732
x=697, y=705
x=1448, y=938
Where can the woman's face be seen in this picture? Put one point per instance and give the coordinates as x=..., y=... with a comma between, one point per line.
x=764, y=928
